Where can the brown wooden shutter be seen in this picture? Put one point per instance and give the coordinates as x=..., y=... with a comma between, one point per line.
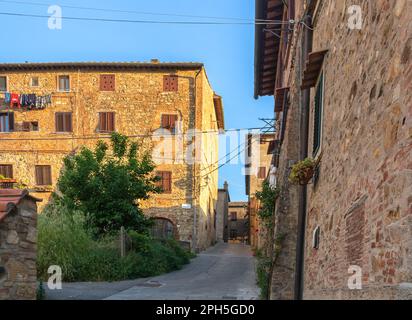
x=262, y=173
x=102, y=122
x=68, y=122
x=111, y=121
x=39, y=176
x=165, y=121
x=172, y=122
x=167, y=181
x=43, y=175
x=11, y=121
x=26, y=126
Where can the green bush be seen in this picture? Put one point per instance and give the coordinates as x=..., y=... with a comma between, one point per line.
x=64, y=241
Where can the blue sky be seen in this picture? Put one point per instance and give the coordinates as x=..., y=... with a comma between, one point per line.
x=226, y=50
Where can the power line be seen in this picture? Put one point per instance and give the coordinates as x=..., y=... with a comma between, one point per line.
x=135, y=12
x=143, y=21
x=129, y=136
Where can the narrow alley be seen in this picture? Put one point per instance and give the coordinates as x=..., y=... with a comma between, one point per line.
x=223, y=272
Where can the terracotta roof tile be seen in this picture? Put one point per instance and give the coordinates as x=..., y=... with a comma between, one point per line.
x=10, y=198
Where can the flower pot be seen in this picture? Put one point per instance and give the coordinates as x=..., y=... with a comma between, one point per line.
x=7, y=183
x=305, y=175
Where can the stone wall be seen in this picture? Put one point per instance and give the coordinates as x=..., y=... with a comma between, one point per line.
x=138, y=102
x=362, y=201
x=18, y=237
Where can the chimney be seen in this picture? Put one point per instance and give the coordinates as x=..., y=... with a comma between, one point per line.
x=226, y=186
x=154, y=61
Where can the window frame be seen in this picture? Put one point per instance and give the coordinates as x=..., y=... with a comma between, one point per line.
x=11, y=121
x=58, y=83
x=6, y=83
x=10, y=166
x=31, y=82
x=171, y=129
x=56, y=114
x=43, y=183
x=100, y=114
x=316, y=152
x=233, y=216
x=262, y=176
x=161, y=183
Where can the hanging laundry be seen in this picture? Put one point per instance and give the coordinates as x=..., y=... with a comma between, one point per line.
x=15, y=100
x=7, y=97
x=31, y=101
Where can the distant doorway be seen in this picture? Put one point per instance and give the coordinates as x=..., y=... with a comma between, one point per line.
x=163, y=229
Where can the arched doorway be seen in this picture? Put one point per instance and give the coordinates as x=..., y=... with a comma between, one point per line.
x=163, y=229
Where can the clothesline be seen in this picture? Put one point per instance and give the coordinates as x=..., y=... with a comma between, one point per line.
x=26, y=101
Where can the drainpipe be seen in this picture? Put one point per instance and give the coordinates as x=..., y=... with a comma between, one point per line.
x=194, y=202
x=303, y=153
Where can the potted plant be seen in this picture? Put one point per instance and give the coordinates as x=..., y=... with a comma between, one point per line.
x=302, y=172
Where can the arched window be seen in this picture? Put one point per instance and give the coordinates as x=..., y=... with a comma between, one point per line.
x=163, y=229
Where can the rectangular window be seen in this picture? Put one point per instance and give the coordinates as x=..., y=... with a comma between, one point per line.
x=106, y=122
x=28, y=126
x=64, y=83
x=3, y=83
x=6, y=170
x=43, y=176
x=64, y=122
x=262, y=173
x=7, y=122
x=170, y=83
x=169, y=122
x=107, y=82
x=34, y=82
x=233, y=216
x=165, y=182
x=318, y=115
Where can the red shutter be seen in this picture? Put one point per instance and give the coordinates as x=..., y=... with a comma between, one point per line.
x=107, y=82
x=170, y=83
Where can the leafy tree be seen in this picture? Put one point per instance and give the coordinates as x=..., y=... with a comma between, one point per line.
x=106, y=184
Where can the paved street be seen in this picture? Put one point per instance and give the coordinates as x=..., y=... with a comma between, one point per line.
x=226, y=271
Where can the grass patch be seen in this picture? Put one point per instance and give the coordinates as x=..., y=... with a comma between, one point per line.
x=63, y=240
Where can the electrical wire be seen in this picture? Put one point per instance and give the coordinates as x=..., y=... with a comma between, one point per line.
x=141, y=21
x=43, y=4
x=128, y=136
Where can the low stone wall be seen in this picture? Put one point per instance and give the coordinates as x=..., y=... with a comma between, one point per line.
x=18, y=236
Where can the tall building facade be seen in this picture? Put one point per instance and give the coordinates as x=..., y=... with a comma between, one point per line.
x=49, y=110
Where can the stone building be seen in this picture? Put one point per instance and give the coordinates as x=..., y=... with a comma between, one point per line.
x=341, y=77
x=18, y=237
x=169, y=108
x=238, y=222
x=222, y=212
x=259, y=153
